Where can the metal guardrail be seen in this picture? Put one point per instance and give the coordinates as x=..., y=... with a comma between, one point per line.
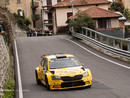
x=114, y=45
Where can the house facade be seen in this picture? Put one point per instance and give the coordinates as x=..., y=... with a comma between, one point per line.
x=97, y=9
x=30, y=8
x=63, y=10
x=47, y=19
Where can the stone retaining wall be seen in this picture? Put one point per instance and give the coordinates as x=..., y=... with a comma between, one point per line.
x=4, y=63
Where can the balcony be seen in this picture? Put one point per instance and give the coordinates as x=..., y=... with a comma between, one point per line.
x=47, y=8
x=35, y=17
x=48, y=22
x=34, y=5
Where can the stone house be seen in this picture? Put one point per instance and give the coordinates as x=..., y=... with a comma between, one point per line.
x=30, y=8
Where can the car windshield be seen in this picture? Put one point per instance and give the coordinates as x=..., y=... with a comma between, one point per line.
x=63, y=63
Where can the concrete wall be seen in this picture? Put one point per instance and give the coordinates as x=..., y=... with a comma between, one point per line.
x=4, y=63
x=114, y=23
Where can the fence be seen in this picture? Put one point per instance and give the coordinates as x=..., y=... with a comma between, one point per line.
x=114, y=45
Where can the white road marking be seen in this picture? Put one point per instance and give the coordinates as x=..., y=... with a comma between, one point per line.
x=98, y=55
x=6, y=90
x=19, y=74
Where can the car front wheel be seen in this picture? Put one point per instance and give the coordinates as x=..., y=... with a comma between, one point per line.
x=37, y=80
x=47, y=85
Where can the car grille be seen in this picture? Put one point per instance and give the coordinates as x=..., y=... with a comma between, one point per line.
x=71, y=84
x=77, y=77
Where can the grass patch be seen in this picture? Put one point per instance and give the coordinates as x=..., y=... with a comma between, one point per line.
x=10, y=84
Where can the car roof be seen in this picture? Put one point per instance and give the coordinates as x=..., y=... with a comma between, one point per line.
x=57, y=55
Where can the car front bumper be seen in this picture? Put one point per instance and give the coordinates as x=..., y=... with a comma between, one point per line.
x=60, y=84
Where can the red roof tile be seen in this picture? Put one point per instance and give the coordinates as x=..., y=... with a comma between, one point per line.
x=66, y=3
x=96, y=12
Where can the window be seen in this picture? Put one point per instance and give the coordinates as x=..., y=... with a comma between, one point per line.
x=113, y=0
x=50, y=16
x=20, y=12
x=69, y=14
x=44, y=63
x=58, y=1
x=18, y=1
x=104, y=23
x=65, y=62
x=7, y=1
x=49, y=4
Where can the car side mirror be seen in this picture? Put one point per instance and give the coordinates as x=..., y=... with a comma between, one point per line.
x=82, y=64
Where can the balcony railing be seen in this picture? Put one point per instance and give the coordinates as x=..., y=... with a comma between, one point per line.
x=47, y=8
x=34, y=5
x=48, y=22
x=35, y=17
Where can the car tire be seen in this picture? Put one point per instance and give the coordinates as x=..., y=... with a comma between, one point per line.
x=47, y=85
x=37, y=80
x=89, y=86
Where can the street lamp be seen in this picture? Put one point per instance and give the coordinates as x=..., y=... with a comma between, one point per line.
x=71, y=2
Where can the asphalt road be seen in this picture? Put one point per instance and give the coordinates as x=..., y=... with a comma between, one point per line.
x=109, y=80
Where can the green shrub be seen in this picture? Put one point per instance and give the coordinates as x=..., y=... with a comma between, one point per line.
x=22, y=21
x=10, y=84
x=82, y=20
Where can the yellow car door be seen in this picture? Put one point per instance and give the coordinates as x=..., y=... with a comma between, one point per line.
x=44, y=68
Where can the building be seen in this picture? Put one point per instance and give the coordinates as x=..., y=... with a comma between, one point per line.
x=46, y=14
x=63, y=10
x=126, y=3
x=2, y=3
x=105, y=19
x=30, y=8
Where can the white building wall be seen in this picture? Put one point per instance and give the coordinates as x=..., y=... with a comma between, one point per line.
x=44, y=3
x=54, y=2
x=114, y=23
x=104, y=6
x=62, y=13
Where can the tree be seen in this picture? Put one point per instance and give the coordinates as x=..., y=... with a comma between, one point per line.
x=126, y=13
x=116, y=6
x=82, y=20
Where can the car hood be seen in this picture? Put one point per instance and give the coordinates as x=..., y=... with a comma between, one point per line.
x=71, y=71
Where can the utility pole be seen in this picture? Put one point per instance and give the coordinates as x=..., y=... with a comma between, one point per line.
x=72, y=2
x=33, y=12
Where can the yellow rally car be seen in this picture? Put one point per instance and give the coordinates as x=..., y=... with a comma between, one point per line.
x=62, y=71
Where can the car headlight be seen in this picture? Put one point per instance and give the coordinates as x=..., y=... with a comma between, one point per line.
x=85, y=74
x=56, y=78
